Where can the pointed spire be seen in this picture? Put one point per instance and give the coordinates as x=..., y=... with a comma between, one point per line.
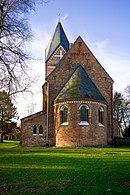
x=58, y=39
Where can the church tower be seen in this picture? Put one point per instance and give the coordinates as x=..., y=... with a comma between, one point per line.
x=56, y=48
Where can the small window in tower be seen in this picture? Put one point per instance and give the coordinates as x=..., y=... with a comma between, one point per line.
x=59, y=55
x=34, y=130
x=64, y=115
x=40, y=130
x=84, y=111
x=100, y=116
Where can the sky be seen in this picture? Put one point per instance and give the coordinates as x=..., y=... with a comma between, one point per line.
x=104, y=25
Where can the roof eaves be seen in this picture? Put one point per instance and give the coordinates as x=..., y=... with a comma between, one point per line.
x=33, y=116
x=48, y=58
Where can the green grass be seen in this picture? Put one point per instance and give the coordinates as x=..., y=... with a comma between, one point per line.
x=63, y=170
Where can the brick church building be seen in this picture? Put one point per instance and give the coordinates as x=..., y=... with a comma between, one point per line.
x=77, y=98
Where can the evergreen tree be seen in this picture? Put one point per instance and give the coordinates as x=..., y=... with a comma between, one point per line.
x=7, y=113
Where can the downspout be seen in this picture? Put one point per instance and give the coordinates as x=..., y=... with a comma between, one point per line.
x=47, y=142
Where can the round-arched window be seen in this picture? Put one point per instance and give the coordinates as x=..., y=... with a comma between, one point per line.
x=40, y=130
x=84, y=113
x=34, y=130
x=64, y=115
x=100, y=115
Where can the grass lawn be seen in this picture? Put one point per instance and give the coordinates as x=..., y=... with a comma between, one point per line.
x=40, y=170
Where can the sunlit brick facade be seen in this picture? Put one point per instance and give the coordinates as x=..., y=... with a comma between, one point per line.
x=77, y=98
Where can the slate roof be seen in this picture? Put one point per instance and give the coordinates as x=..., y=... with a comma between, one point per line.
x=58, y=38
x=79, y=85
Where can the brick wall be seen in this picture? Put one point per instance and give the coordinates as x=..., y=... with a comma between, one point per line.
x=76, y=135
x=79, y=53
x=73, y=134
x=28, y=138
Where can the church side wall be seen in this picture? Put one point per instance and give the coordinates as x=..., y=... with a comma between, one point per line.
x=30, y=139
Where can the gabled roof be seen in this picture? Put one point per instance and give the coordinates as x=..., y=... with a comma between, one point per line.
x=79, y=39
x=33, y=116
x=58, y=39
x=79, y=85
x=73, y=49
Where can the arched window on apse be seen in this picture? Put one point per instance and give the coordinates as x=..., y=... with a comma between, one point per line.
x=64, y=115
x=101, y=116
x=84, y=114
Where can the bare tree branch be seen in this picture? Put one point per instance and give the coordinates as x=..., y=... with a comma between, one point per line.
x=14, y=34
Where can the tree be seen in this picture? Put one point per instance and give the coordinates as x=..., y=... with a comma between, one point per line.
x=9, y=128
x=14, y=33
x=7, y=113
x=121, y=109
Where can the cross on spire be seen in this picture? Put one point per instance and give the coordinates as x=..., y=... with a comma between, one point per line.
x=59, y=17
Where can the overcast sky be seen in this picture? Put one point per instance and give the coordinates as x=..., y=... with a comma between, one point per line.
x=103, y=24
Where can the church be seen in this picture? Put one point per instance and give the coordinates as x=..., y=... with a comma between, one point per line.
x=77, y=98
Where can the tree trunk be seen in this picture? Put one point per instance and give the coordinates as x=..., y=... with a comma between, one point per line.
x=1, y=137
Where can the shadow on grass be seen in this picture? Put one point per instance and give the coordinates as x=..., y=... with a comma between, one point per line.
x=64, y=170
x=64, y=173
